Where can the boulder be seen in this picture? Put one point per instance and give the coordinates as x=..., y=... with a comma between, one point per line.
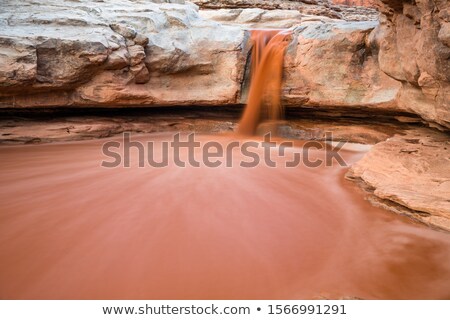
x=408, y=174
x=262, y=4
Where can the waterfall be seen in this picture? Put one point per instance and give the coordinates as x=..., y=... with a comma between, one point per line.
x=264, y=97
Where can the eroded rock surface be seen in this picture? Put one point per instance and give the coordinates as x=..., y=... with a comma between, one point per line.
x=360, y=3
x=120, y=53
x=256, y=18
x=411, y=46
x=49, y=129
x=409, y=174
x=414, y=48
x=331, y=66
x=116, y=53
x=155, y=53
x=322, y=8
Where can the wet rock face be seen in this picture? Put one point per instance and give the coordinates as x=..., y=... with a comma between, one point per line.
x=116, y=52
x=414, y=47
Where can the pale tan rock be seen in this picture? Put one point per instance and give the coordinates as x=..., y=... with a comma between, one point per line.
x=64, y=62
x=410, y=174
x=190, y=60
x=414, y=48
x=95, y=53
x=332, y=66
x=255, y=18
x=323, y=8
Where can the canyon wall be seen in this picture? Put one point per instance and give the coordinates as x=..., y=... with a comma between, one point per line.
x=162, y=53
x=361, y=3
x=114, y=53
x=323, y=8
x=333, y=67
x=413, y=40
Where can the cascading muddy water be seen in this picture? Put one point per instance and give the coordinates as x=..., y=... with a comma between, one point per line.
x=264, y=98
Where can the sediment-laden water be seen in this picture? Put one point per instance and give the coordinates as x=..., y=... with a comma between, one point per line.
x=70, y=228
x=264, y=96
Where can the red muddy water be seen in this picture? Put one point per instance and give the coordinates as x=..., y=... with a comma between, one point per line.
x=268, y=48
x=70, y=228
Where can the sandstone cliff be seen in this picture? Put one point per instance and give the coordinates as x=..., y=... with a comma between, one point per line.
x=135, y=52
x=324, y=8
x=116, y=53
x=413, y=40
x=332, y=67
x=120, y=53
x=408, y=173
x=361, y=3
